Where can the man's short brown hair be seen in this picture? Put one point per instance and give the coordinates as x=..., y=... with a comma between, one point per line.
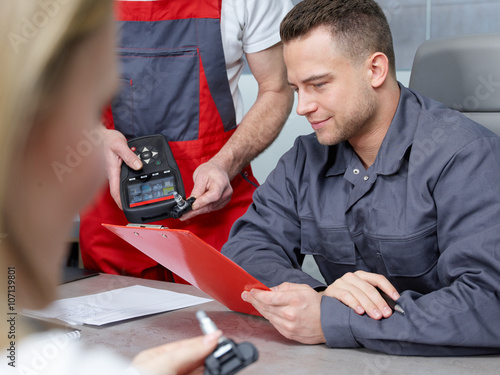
x=360, y=26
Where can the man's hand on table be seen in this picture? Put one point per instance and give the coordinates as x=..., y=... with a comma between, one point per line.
x=358, y=291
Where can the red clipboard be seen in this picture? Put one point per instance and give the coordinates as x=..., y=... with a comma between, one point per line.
x=195, y=261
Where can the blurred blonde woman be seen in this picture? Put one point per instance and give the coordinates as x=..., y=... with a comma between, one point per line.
x=57, y=71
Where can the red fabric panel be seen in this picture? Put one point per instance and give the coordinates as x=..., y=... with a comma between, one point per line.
x=163, y=10
x=211, y=123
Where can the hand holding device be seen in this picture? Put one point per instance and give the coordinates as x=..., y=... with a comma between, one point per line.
x=179, y=357
x=228, y=357
x=212, y=188
x=156, y=191
x=116, y=152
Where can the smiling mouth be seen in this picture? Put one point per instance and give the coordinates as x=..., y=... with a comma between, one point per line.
x=316, y=125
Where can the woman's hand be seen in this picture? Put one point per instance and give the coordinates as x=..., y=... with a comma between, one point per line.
x=180, y=357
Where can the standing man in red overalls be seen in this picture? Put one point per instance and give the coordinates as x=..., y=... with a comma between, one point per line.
x=181, y=62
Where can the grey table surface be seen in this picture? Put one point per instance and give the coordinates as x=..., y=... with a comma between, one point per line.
x=277, y=355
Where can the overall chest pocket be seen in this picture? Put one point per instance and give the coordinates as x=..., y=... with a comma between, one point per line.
x=333, y=244
x=412, y=256
x=159, y=93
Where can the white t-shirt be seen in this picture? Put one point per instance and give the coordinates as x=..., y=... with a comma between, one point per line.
x=247, y=26
x=54, y=353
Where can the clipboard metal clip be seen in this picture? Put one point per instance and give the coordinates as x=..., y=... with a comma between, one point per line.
x=150, y=226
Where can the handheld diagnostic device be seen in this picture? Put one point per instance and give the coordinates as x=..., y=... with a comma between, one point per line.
x=155, y=192
x=228, y=357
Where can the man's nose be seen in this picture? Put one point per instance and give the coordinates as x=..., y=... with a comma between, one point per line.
x=305, y=104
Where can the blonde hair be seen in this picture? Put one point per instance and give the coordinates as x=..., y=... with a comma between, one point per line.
x=37, y=40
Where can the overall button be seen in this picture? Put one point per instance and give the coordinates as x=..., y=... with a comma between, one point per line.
x=146, y=155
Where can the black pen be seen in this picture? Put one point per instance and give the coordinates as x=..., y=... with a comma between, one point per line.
x=392, y=304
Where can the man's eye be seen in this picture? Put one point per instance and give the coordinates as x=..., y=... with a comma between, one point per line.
x=319, y=85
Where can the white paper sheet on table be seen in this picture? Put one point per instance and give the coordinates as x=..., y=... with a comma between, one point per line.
x=115, y=305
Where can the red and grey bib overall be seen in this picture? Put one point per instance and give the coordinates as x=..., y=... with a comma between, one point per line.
x=174, y=82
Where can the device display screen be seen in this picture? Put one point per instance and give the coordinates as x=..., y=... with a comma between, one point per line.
x=151, y=191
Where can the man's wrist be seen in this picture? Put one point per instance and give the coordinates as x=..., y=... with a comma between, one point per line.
x=335, y=324
x=225, y=161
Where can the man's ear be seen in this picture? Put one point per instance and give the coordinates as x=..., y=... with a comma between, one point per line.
x=379, y=68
